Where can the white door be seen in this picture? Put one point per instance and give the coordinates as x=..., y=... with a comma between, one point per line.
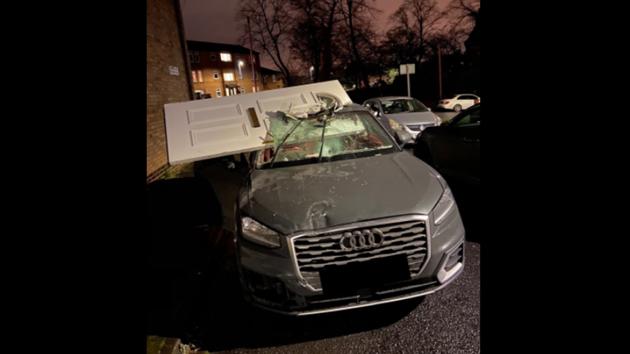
x=203, y=129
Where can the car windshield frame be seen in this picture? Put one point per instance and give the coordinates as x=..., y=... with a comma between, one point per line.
x=268, y=158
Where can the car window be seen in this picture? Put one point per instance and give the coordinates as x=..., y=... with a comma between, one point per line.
x=466, y=97
x=468, y=118
x=402, y=106
x=371, y=105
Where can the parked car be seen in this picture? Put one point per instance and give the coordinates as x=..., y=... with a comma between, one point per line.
x=331, y=213
x=453, y=147
x=459, y=102
x=402, y=113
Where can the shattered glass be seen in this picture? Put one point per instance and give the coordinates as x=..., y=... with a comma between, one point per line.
x=300, y=139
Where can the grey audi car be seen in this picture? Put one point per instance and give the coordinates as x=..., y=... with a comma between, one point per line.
x=336, y=216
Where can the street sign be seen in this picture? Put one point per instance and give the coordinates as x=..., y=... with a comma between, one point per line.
x=403, y=69
x=173, y=70
x=406, y=69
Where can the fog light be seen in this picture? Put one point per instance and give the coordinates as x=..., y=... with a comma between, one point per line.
x=454, y=263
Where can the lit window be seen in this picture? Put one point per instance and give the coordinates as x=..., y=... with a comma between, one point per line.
x=218, y=92
x=215, y=75
x=226, y=57
x=194, y=75
x=228, y=76
x=199, y=75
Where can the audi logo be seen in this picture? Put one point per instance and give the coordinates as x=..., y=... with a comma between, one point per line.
x=363, y=239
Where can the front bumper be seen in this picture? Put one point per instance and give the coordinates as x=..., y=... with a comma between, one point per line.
x=416, y=129
x=270, y=281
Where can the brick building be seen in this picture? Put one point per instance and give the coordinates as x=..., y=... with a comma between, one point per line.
x=220, y=69
x=168, y=76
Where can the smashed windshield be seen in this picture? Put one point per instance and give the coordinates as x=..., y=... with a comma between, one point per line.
x=402, y=106
x=344, y=136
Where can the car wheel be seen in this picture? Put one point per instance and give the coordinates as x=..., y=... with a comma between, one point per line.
x=457, y=108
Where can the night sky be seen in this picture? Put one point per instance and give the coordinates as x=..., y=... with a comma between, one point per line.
x=215, y=20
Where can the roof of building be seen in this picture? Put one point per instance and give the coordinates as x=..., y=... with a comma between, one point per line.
x=269, y=71
x=217, y=47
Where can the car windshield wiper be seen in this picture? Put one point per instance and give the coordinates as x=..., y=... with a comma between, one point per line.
x=321, y=149
x=284, y=139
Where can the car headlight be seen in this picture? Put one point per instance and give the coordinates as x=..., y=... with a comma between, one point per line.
x=259, y=233
x=395, y=125
x=444, y=207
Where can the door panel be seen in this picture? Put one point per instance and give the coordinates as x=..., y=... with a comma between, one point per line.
x=203, y=129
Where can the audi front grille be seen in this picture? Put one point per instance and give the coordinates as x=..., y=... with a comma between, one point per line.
x=363, y=242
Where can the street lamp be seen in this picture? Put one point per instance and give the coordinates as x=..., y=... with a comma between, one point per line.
x=240, y=69
x=311, y=71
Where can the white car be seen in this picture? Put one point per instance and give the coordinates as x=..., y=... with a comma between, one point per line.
x=459, y=102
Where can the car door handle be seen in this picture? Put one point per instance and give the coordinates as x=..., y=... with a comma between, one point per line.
x=470, y=140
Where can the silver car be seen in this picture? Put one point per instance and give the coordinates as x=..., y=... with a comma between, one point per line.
x=337, y=216
x=400, y=112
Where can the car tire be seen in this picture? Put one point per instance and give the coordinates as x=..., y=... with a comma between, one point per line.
x=457, y=108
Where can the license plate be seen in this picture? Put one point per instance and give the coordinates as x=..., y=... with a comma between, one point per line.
x=358, y=276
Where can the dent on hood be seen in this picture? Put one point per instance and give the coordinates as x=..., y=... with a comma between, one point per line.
x=317, y=212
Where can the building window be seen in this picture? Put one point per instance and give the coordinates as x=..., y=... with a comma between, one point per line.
x=228, y=76
x=199, y=76
x=273, y=77
x=227, y=57
x=194, y=76
x=213, y=57
x=194, y=57
x=218, y=92
x=215, y=75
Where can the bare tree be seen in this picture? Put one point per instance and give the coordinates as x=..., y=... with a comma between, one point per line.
x=425, y=15
x=314, y=24
x=464, y=17
x=270, y=30
x=416, y=22
x=305, y=43
x=358, y=33
x=464, y=11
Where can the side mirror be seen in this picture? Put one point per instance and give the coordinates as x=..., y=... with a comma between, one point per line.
x=403, y=138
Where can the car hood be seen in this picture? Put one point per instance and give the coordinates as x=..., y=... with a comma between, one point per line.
x=413, y=117
x=314, y=196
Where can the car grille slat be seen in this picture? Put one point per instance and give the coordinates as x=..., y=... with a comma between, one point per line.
x=311, y=267
x=346, y=255
x=415, y=230
x=408, y=237
x=415, y=240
